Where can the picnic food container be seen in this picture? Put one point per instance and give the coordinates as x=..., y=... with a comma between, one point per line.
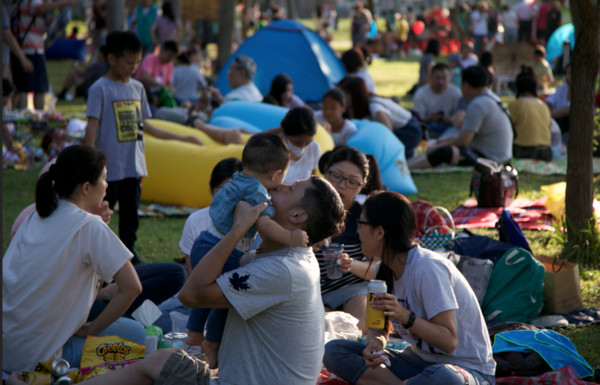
x=174, y=340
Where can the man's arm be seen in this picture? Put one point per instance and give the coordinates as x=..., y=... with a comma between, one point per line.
x=561, y=112
x=201, y=289
x=384, y=119
x=419, y=106
x=148, y=80
x=91, y=131
x=459, y=118
x=223, y=135
x=216, y=94
x=168, y=135
x=461, y=140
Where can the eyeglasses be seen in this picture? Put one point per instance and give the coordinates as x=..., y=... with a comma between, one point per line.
x=359, y=222
x=337, y=177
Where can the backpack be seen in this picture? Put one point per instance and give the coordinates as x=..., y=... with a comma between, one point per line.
x=479, y=246
x=514, y=292
x=509, y=231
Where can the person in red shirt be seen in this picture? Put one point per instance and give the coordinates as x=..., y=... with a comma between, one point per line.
x=156, y=71
x=542, y=18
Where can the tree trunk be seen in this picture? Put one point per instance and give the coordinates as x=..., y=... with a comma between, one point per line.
x=245, y=18
x=370, y=4
x=176, y=4
x=291, y=9
x=115, y=15
x=586, y=54
x=225, y=37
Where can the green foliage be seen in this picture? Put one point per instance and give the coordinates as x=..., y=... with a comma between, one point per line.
x=583, y=247
x=18, y=191
x=585, y=340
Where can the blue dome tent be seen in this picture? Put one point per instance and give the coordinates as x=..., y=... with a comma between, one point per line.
x=554, y=46
x=286, y=46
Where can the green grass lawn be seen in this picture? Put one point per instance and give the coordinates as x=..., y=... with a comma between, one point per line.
x=158, y=237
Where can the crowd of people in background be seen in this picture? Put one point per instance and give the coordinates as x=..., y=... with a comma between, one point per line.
x=156, y=69
x=479, y=22
x=175, y=72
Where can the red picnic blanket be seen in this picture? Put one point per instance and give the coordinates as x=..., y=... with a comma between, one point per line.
x=327, y=378
x=561, y=376
x=528, y=214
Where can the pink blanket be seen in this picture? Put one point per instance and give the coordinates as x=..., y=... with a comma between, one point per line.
x=529, y=214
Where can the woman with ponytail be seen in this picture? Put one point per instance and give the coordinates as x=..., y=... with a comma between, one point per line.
x=429, y=303
x=56, y=263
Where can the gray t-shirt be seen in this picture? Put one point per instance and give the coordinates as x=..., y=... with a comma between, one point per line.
x=430, y=285
x=493, y=131
x=187, y=81
x=348, y=129
x=426, y=102
x=397, y=115
x=275, y=332
x=120, y=107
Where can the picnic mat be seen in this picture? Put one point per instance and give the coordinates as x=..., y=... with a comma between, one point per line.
x=556, y=167
x=528, y=214
x=160, y=211
x=327, y=378
x=532, y=215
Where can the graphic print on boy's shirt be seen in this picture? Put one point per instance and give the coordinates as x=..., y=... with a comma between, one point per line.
x=128, y=119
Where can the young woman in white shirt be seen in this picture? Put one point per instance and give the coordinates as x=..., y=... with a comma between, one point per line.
x=56, y=263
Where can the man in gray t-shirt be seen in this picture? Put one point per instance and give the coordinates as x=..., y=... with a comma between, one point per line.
x=435, y=103
x=275, y=328
x=486, y=132
x=487, y=118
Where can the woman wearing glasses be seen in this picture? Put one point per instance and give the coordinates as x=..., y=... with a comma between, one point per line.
x=347, y=169
x=429, y=303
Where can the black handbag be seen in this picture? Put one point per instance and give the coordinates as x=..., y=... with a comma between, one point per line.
x=494, y=185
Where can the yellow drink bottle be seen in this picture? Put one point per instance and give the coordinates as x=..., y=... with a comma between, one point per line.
x=375, y=317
